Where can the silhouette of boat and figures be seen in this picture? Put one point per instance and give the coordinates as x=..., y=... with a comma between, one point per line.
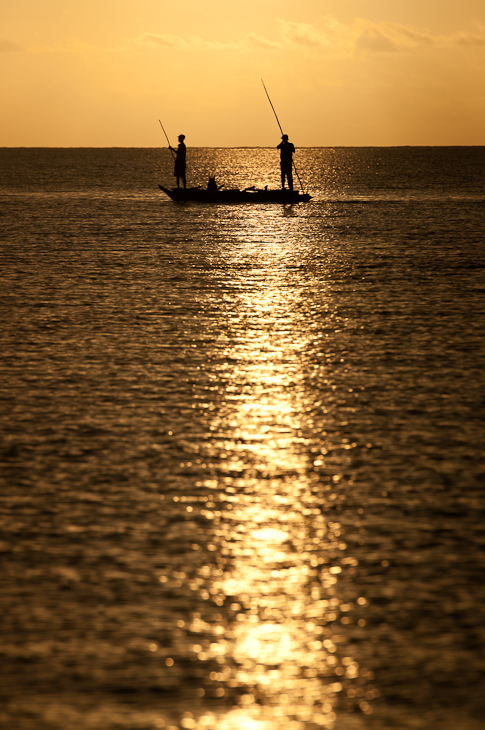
x=215, y=193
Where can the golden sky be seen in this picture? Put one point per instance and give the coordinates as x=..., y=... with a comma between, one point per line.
x=101, y=73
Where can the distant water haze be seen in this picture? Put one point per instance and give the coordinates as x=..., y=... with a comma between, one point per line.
x=242, y=444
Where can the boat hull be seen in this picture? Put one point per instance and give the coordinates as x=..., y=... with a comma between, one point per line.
x=251, y=195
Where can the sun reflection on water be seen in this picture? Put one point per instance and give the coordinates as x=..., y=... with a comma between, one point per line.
x=275, y=653
x=279, y=644
x=279, y=651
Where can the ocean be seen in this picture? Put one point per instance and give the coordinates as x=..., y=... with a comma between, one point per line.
x=242, y=445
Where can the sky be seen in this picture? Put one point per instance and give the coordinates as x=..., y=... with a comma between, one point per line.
x=102, y=73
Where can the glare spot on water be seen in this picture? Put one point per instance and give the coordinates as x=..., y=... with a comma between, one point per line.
x=269, y=534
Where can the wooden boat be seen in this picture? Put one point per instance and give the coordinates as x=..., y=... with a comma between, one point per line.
x=248, y=195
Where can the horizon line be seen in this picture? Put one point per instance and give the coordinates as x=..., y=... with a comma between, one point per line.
x=231, y=147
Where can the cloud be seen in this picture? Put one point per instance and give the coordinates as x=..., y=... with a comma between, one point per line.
x=255, y=41
x=471, y=39
x=373, y=40
x=167, y=41
x=359, y=37
x=302, y=34
x=251, y=41
x=10, y=47
x=290, y=35
x=389, y=38
x=413, y=36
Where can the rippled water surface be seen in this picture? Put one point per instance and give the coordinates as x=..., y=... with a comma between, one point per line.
x=242, y=445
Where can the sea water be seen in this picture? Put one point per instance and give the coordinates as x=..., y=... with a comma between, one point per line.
x=242, y=448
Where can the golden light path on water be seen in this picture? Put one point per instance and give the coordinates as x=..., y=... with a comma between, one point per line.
x=280, y=653
x=242, y=445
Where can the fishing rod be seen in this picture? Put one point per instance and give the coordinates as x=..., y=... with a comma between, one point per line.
x=166, y=135
x=281, y=130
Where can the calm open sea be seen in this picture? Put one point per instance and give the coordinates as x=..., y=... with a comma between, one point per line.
x=242, y=454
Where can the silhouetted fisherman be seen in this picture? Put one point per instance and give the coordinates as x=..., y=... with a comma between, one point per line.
x=287, y=150
x=181, y=153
